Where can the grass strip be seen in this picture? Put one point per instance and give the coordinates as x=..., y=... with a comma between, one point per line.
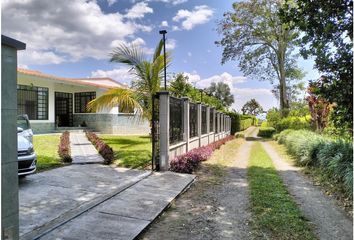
x=274, y=213
x=129, y=151
x=46, y=148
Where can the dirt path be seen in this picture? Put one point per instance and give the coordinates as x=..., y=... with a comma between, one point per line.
x=214, y=208
x=330, y=221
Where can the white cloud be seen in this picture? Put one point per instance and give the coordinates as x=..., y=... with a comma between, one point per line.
x=175, y=28
x=262, y=95
x=164, y=24
x=224, y=77
x=138, y=10
x=121, y=74
x=66, y=31
x=190, y=19
x=173, y=2
x=138, y=42
x=171, y=44
x=111, y=2
x=189, y=54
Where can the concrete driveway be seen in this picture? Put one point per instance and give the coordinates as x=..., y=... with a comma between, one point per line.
x=48, y=199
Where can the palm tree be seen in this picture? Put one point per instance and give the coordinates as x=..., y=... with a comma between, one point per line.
x=147, y=77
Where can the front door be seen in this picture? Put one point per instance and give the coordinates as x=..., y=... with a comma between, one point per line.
x=64, y=109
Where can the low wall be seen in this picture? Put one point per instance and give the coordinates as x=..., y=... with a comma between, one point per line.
x=177, y=149
x=122, y=124
x=45, y=127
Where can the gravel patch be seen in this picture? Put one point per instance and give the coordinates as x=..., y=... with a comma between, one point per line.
x=214, y=208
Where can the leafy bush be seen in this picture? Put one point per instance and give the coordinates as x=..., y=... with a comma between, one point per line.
x=295, y=123
x=266, y=132
x=64, y=147
x=247, y=121
x=189, y=161
x=332, y=156
x=104, y=150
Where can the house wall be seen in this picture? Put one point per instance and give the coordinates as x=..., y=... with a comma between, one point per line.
x=107, y=120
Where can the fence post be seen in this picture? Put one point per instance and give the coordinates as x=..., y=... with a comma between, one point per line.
x=186, y=121
x=208, y=122
x=164, y=121
x=199, y=120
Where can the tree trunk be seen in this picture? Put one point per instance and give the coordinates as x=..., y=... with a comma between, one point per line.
x=283, y=97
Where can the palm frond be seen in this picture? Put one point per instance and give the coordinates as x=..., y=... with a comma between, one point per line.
x=128, y=54
x=126, y=99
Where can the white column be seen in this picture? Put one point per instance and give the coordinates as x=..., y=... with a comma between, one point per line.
x=186, y=122
x=164, y=122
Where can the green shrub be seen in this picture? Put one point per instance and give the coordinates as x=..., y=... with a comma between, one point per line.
x=332, y=156
x=295, y=123
x=266, y=132
x=241, y=122
x=265, y=124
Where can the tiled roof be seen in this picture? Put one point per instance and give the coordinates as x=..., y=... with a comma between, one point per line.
x=96, y=82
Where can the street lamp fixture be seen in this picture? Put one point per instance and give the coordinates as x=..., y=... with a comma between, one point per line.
x=163, y=32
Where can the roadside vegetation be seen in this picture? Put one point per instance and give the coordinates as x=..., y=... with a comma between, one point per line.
x=274, y=213
x=46, y=148
x=129, y=151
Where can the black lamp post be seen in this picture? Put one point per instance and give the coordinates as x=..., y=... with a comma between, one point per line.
x=163, y=32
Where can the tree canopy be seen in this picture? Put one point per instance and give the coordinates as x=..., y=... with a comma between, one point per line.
x=327, y=36
x=222, y=92
x=252, y=107
x=254, y=35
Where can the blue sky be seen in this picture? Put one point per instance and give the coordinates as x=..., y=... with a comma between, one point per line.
x=73, y=38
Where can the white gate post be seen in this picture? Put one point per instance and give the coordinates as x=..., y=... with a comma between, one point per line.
x=164, y=122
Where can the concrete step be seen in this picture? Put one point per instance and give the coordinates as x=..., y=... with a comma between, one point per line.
x=72, y=129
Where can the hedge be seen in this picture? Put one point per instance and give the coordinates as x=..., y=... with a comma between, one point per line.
x=190, y=161
x=103, y=149
x=333, y=157
x=64, y=147
x=241, y=122
x=266, y=132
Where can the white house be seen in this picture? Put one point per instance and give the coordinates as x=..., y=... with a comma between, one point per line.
x=53, y=103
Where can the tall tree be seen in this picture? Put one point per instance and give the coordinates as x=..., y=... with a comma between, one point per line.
x=180, y=86
x=252, y=107
x=222, y=92
x=327, y=36
x=147, y=78
x=254, y=35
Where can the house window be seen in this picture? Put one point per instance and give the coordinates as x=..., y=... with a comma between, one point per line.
x=81, y=101
x=32, y=101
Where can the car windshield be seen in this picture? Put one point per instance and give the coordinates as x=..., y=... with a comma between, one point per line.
x=22, y=122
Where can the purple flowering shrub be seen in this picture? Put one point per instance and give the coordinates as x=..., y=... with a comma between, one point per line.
x=189, y=161
x=64, y=147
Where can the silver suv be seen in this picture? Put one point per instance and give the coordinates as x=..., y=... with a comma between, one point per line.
x=26, y=156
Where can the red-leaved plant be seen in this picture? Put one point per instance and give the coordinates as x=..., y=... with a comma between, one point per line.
x=103, y=149
x=189, y=161
x=64, y=147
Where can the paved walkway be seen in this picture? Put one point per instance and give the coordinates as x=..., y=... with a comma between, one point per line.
x=82, y=150
x=47, y=199
x=330, y=221
x=128, y=213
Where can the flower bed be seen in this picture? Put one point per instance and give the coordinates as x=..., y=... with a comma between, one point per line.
x=189, y=161
x=103, y=149
x=64, y=147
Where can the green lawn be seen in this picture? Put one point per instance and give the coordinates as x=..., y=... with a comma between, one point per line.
x=275, y=214
x=130, y=151
x=46, y=148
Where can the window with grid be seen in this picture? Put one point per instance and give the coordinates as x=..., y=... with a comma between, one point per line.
x=204, y=120
x=176, y=120
x=32, y=101
x=193, y=120
x=211, y=119
x=82, y=99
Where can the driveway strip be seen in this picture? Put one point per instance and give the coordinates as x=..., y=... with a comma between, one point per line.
x=127, y=214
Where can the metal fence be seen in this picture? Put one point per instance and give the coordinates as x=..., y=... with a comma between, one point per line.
x=204, y=120
x=211, y=120
x=176, y=120
x=193, y=120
